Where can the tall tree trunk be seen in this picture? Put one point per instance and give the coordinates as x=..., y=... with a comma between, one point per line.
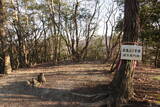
x=156, y=62
x=1, y=37
x=21, y=55
x=123, y=79
x=5, y=66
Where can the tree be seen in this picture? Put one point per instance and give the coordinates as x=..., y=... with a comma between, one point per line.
x=5, y=66
x=80, y=25
x=112, y=37
x=123, y=79
x=150, y=27
x=66, y=27
x=149, y=14
x=1, y=37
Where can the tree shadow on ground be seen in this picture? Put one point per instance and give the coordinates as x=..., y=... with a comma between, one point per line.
x=62, y=97
x=148, y=73
x=59, y=97
x=66, y=74
x=16, y=92
x=67, y=63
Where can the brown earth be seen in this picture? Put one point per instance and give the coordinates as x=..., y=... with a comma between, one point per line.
x=72, y=85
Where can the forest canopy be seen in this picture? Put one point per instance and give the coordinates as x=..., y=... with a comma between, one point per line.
x=39, y=31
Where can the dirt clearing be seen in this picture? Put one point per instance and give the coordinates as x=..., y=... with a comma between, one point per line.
x=63, y=80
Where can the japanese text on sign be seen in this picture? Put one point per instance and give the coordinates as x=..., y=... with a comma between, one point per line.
x=131, y=52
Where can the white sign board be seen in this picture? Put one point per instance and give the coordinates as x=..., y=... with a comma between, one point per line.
x=131, y=52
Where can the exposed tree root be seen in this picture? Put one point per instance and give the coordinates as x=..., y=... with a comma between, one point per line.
x=98, y=99
x=107, y=102
x=94, y=96
x=111, y=100
x=108, y=99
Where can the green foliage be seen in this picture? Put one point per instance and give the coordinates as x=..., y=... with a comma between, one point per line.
x=150, y=28
x=96, y=50
x=49, y=30
x=149, y=21
x=150, y=17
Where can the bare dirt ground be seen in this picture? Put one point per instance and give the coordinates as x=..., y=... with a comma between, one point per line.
x=63, y=80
